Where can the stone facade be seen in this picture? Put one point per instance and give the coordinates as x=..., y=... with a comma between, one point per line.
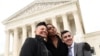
x=63, y=14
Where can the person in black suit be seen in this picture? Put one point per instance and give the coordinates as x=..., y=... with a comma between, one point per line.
x=36, y=46
x=54, y=43
x=75, y=49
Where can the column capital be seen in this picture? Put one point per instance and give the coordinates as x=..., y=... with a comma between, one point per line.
x=33, y=24
x=64, y=14
x=52, y=17
x=7, y=31
x=74, y=12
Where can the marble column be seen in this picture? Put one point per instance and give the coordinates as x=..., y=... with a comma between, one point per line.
x=15, y=47
x=24, y=33
x=65, y=22
x=7, y=43
x=54, y=22
x=33, y=29
x=78, y=24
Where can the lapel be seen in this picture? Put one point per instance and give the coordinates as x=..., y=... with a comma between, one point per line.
x=75, y=49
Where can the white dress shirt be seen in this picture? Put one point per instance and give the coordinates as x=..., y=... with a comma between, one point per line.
x=72, y=49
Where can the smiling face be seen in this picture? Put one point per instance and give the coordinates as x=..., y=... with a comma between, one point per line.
x=51, y=30
x=41, y=31
x=67, y=38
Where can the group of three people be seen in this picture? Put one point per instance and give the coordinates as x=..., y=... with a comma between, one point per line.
x=47, y=42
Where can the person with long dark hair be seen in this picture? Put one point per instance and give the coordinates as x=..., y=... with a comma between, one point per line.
x=54, y=43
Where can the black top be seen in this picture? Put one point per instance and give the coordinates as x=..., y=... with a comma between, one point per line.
x=61, y=50
x=34, y=47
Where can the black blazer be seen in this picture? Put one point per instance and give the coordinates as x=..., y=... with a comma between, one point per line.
x=34, y=47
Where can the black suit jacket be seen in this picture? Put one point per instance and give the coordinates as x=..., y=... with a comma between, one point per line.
x=34, y=47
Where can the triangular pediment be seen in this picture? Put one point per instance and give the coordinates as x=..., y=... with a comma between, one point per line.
x=43, y=1
x=34, y=7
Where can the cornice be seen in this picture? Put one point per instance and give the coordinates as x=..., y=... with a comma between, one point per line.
x=32, y=8
x=96, y=33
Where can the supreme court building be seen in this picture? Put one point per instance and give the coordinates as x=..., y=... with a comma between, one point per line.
x=63, y=14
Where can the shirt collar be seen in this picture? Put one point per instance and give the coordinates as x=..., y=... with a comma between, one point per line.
x=40, y=38
x=72, y=45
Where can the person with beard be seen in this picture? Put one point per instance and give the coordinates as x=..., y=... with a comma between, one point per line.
x=36, y=46
x=54, y=43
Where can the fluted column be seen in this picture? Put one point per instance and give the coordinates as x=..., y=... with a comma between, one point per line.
x=33, y=30
x=65, y=22
x=15, y=47
x=78, y=24
x=7, y=43
x=54, y=22
x=24, y=33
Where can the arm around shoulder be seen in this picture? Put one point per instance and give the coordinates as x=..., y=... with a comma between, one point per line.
x=87, y=49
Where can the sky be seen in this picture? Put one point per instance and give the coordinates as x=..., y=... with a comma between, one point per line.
x=89, y=9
